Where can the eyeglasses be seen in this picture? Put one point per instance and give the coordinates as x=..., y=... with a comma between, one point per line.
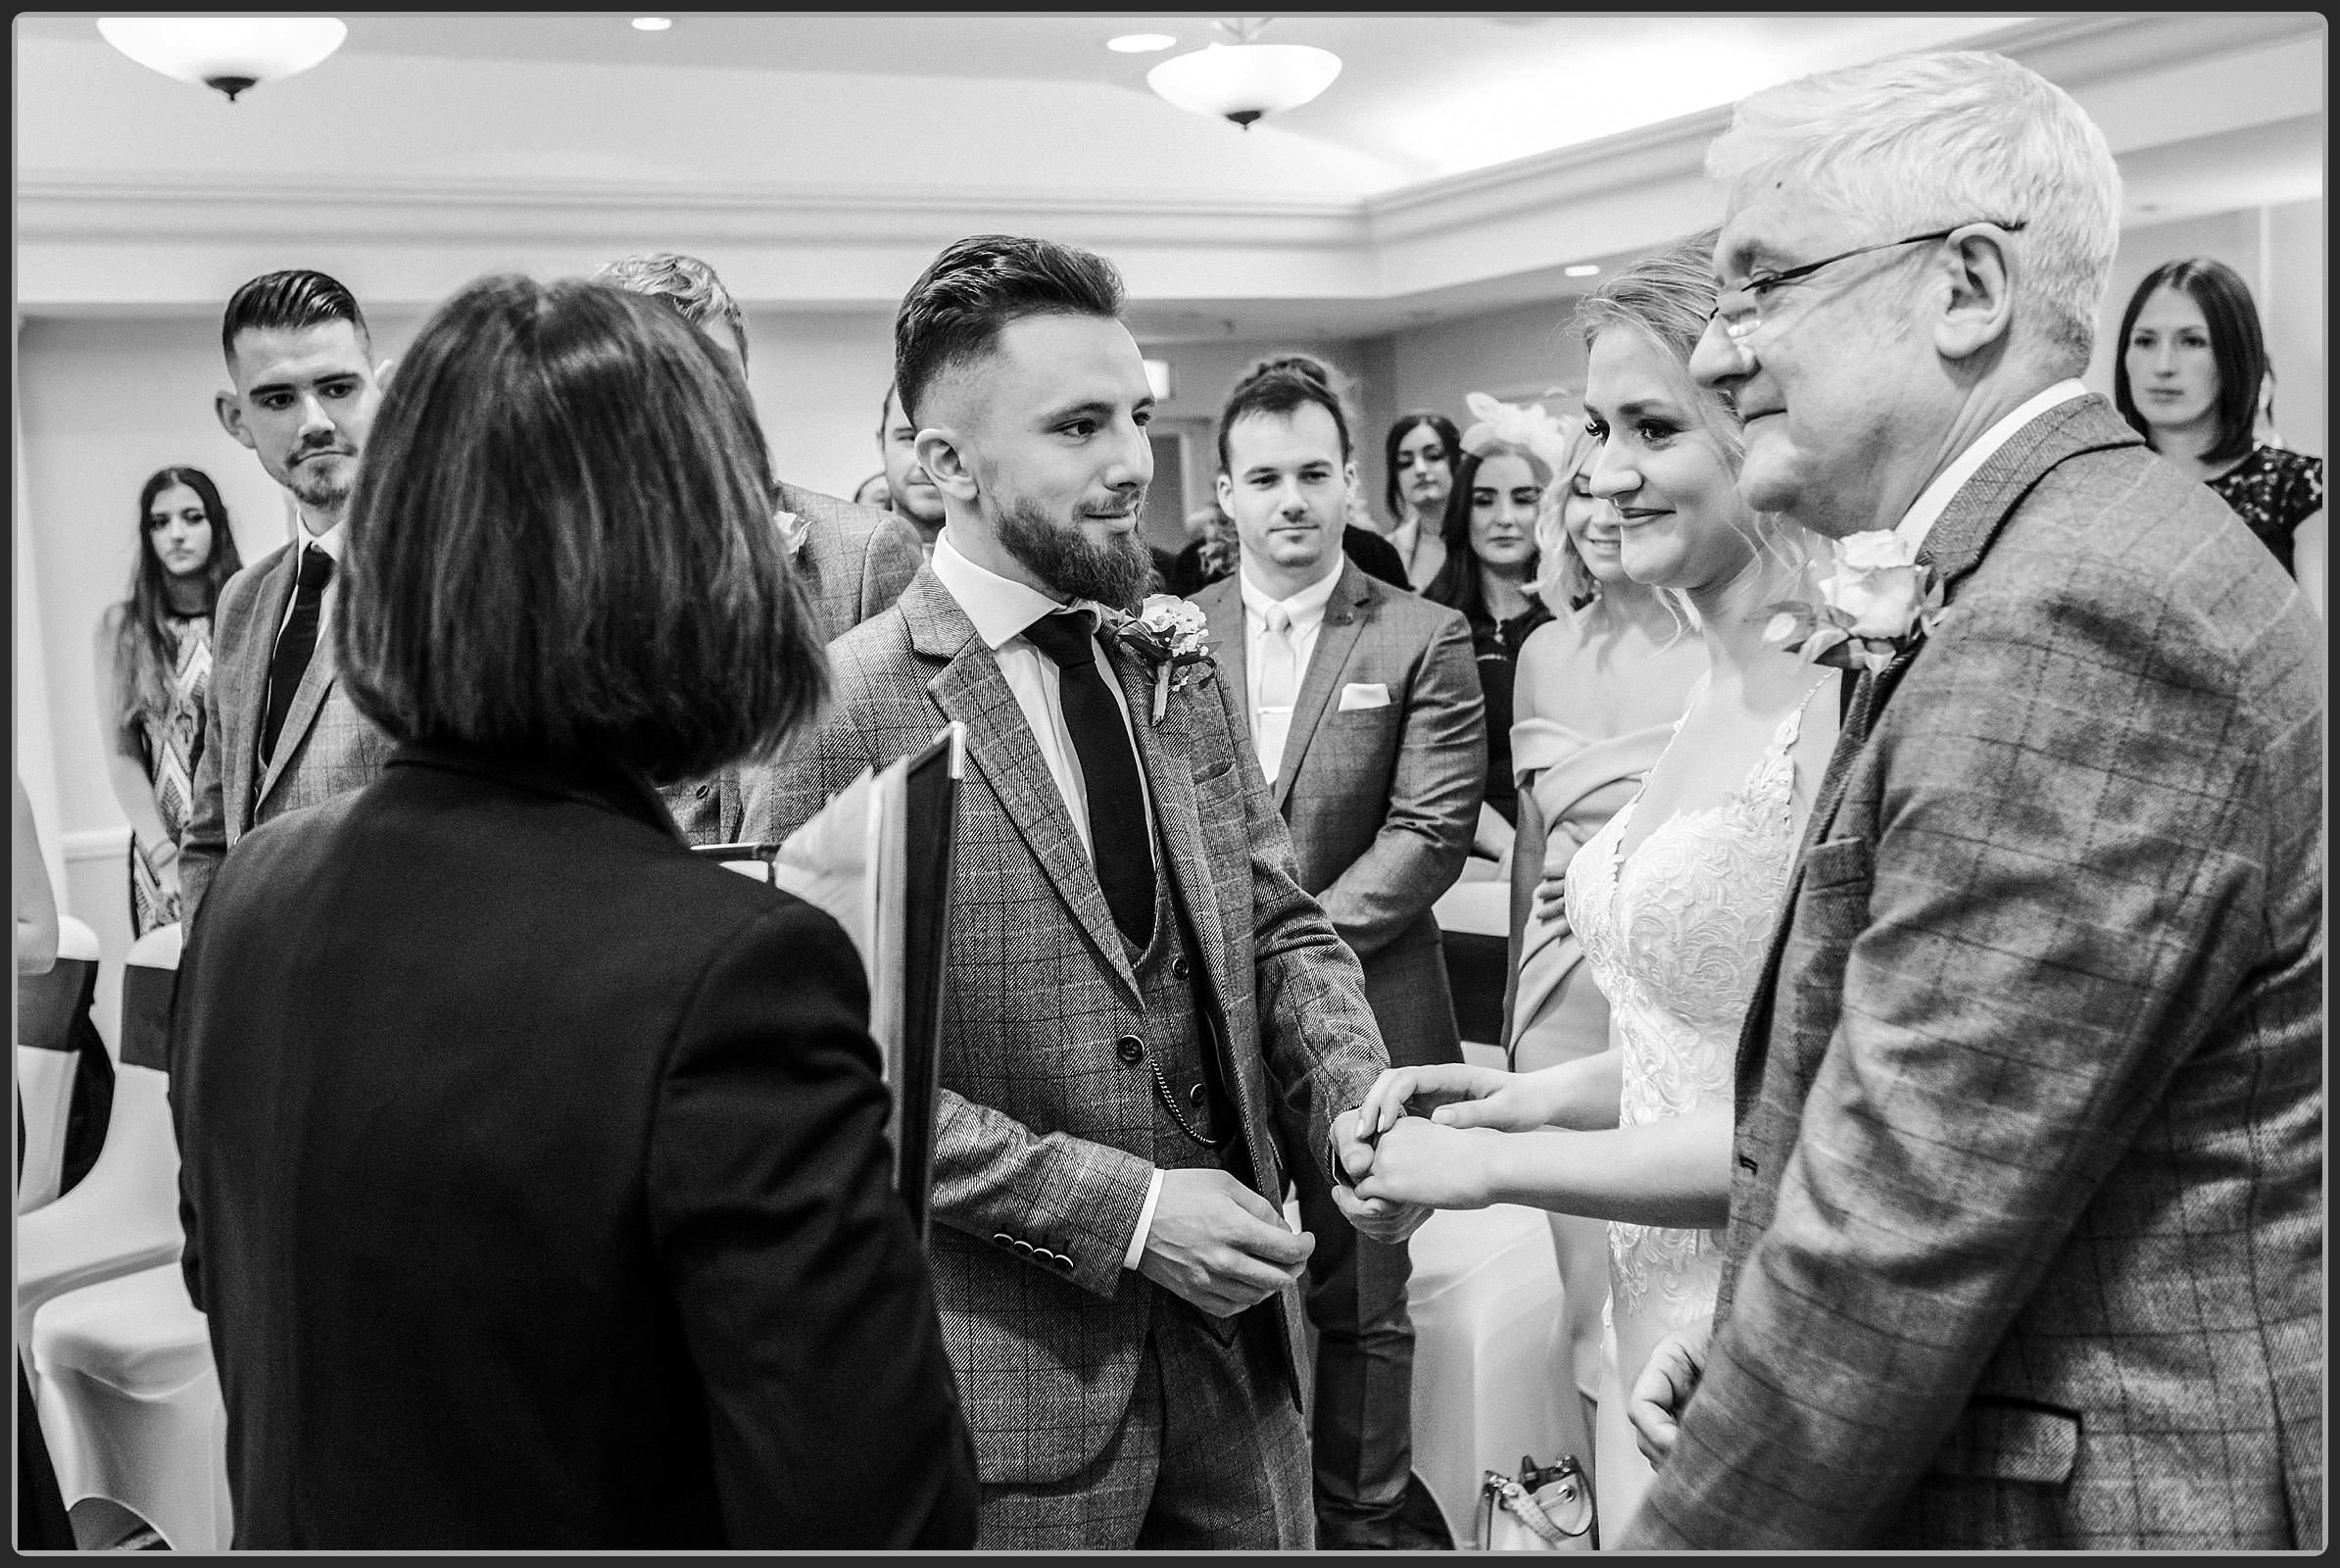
x=1740, y=310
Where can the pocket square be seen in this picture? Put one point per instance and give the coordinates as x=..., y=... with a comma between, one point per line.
x=1368, y=694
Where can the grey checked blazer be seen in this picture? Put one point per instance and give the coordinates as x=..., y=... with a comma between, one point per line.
x=2026, y=1220
x=854, y=561
x=1045, y=1136
x=1382, y=801
x=326, y=747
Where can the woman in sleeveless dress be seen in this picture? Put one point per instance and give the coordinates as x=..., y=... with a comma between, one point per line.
x=154, y=665
x=1673, y=898
x=1599, y=688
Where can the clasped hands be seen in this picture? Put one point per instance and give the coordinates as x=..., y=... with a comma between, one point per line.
x=1224, y=1247
x=1430, y=1136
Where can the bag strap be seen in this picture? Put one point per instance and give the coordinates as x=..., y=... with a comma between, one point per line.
x=1530, y=1512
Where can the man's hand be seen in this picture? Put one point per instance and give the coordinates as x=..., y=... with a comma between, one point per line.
x=1551, y=899
x=1219, y=1244
x=1380, y=1218
x=1662, y=1390
x=1420, y=1162
x=1351, y=1145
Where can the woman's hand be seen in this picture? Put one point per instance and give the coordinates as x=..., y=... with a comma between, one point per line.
x=1551, y=902
x=1418, y=1161
x=1421, y=1090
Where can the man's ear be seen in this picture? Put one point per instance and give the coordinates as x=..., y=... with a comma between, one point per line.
x=946, y=464
x=1349, y=477
x=228, y=409
x=381, y=374
x=1225, y=489
x=1980, y=310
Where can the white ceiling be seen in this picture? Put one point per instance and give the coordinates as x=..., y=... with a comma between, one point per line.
x=1423, y=94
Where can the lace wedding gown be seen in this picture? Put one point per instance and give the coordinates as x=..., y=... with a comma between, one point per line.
x=1675, y=934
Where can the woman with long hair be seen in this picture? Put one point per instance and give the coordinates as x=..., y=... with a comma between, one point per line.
x=2191, y=378
x=154, y=665
x=1419, y=456
x=1509, y=458
x=1673, y=898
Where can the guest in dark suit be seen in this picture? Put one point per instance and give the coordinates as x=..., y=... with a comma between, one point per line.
x=280, y=730
x=1364, y=707
x=533, y=1169
x=854, y=560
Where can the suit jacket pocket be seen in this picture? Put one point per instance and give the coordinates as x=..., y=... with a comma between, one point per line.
x=1839, y=862
x=2008, y=1439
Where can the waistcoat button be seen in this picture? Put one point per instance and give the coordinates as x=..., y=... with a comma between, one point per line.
x=1130, y=1049
x=1195, y=1097
x=1180, y=968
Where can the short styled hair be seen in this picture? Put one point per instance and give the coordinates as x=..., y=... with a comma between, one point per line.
x=288, y=300
x=685, y=282
x=1282, y=385
x=1921, y=141
x=2236, y=346
x=967, y=295
x=562, y=541
x=1404, y=426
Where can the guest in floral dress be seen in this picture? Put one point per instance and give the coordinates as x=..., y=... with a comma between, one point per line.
x=154, y=663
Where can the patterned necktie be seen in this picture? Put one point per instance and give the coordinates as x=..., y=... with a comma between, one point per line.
x=295, y=643
x=1121, y=846
x=1278, y=688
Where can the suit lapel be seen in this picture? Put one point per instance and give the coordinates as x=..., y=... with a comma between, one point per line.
x=1000, y=740
x=1956, y=545
x=1343, y=623
x=1230, y=638
x=316, y=681
x=250, y=694
x=1178, y=822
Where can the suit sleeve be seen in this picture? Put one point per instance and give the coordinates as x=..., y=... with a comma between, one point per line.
x=833, y=1414
x=2077, y=876
x=205, y=842
x=1435, y=794
x=1322, y=1047
x=893, y=559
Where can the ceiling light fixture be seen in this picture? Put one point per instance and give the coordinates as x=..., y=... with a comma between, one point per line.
x=1141, y=43
x=652, y=23
x=229, y=54
x=1581, y=270
x=1244, y=80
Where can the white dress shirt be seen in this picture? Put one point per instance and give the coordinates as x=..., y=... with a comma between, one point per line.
x=1306, y=609
x=1933, y=500
x=1000, y=609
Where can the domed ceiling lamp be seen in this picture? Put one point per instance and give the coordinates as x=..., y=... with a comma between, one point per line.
x=229, y=54
x=1244, y=80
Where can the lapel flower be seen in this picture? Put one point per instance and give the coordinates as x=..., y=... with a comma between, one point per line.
x=792, y=532
x=1167, y=633
x=1877, y=603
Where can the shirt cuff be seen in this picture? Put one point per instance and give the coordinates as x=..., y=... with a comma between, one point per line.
x=1153, y=1196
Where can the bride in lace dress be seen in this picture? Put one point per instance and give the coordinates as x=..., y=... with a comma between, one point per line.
x=1673, y=898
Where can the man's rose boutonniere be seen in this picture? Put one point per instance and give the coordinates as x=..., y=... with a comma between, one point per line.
x=1877, y=601
x=792, y=532
x=1167, y=633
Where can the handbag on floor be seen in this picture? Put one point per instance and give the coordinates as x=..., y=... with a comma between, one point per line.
x=1543, y=1508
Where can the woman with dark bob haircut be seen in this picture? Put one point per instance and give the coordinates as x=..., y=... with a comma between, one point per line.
x=2188, y=378
x=534, y=1168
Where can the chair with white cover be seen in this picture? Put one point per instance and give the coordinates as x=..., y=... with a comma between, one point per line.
x=128, y=1394
x=47, y=1055
x=124, y=1216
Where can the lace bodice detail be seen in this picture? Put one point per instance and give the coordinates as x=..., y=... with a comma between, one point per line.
x=1676, y=935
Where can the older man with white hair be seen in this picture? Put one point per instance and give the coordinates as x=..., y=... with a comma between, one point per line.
x=2025, y=1214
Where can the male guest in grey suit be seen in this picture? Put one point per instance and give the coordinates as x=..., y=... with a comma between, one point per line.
x=1141, y=992
x=855, y=560
x=1365, y=709
x=2025, y=1211
x=278, y=731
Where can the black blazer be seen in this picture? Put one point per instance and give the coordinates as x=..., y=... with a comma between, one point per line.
x=536, y=1186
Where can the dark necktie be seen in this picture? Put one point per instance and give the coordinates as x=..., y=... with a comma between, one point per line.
x=295, y=643
x=1122, y=848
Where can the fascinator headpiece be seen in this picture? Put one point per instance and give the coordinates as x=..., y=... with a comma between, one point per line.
x=1509, y=424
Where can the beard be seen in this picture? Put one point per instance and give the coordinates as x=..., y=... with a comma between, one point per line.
x=321, y=487
x=1112, y=573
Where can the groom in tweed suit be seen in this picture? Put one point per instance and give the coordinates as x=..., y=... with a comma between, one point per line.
x=2025, y=1211
x=1141, y=994
x=279, y=732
